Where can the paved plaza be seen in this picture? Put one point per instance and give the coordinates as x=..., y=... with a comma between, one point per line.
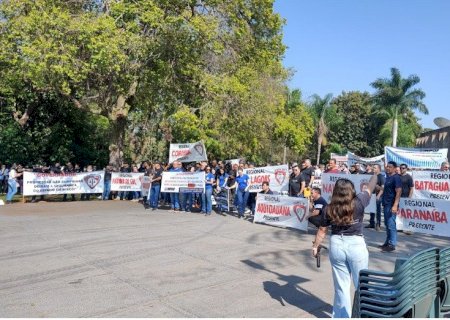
x=115, y=259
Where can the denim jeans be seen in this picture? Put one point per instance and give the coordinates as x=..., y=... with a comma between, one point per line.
x=123, y=194
x=242, y=198
x=186, y=201
x=106, y=189
x=12, y=189
x=154, y=195
x=376, y=222
x=348, y=255
x=206, y=201
x=175, y=201
x=391, y=228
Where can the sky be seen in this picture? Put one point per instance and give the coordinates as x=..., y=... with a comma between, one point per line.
x=344, y=45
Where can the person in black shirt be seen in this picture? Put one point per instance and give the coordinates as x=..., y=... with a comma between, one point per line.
x=265, y=190
x=156, y=185
x=407, y=182
x=308, y=173
x=348, y=251
x=317, y=208
x=295, y=182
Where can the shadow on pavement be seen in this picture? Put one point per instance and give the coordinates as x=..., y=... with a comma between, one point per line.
x=292, y=293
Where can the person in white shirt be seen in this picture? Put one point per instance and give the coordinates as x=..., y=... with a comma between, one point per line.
x=12, y=183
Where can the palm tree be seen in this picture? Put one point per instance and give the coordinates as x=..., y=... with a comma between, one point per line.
x=396, y=95
x=319, y=107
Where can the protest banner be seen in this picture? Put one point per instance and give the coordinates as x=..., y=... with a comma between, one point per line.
x=431, y=185
x=277, y=176
x=187, y=152
x=416, y=158
x=424, y=216
x=146, y=184
x=353, y=159
x=185, y=182
x=36, y=183
x=360, y=181
x=126, y=181
x=223, y=200
x=340, y=160
x=282, y=211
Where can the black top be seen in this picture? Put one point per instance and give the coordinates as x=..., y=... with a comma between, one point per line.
x=268, y=192
x=407, y=184
x=392, y=182
x=157, y=174
x=307, y=173
x=319, y=204
x=356, y=228
x=295, y=185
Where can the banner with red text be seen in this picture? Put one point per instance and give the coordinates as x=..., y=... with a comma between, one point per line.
x=431, y=185
x=282, y=211
x=187, y=152
x=36, y=183
x=126, y=181
x=277, y=176
x=360, y=181
x=424, y=216
x=184, y=182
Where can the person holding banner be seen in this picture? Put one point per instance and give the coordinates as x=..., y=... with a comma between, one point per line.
x=348, y=251
x=242, y=191
x=445, y=166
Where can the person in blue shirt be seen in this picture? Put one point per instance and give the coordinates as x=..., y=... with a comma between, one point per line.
x=222, y=177
x=174, y=196
x=391, y=197
x=209, y=181
x=242, y=185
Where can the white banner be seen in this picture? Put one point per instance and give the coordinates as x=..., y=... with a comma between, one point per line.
x=431, y=185
x=424, y=216
x=146, y=185
x=277, y=176
x=417, y=158
x=282, y=211
x=340, y=160
x=126, y=181
x=353, y=159
x=360, y=181
x=185, y=182
x=187, y=152
x=36, y=183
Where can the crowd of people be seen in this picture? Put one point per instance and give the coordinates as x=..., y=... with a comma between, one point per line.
x=344, y=214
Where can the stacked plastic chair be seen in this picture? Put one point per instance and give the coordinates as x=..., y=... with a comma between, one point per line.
x=412, y=290
x=444, y=275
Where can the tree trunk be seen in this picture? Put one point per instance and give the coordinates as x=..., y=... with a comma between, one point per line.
x=117, y=142
x=394, y=130
x=319, y=148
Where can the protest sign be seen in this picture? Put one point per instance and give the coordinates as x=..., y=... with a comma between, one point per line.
x=185, y=182
x=277, y=176
x=282, y=211
x=431, y=185
x=424, y=216
x=340, y=160
x=36, y=183
x=187, y=152
x=126, y=181
x=146, y=184
x=360, y=181
x=416, y=158
x=353, y=159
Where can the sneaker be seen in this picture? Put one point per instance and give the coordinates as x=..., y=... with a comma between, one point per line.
x=378, y=228
x=383, y=245
x=370, y=226
x=388, y=248
x=408, y=232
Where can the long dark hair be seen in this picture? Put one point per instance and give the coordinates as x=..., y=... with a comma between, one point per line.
x=342, y=205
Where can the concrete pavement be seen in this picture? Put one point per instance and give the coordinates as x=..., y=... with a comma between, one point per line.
x=115, y=259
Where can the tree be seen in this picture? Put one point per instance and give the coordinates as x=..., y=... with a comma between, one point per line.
x=319, y=108
x=396, y=95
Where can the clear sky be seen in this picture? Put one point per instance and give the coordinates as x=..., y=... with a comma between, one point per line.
x=344, y=45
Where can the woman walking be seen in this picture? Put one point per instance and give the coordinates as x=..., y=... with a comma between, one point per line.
x=12, y=183
x=348, y=252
